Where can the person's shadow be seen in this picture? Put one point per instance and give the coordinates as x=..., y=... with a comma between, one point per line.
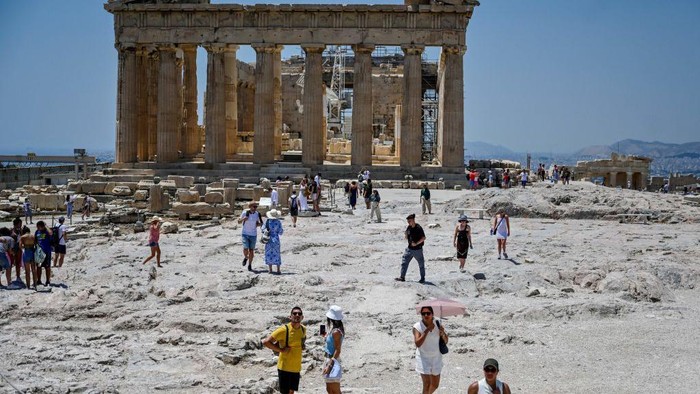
x=513, y=261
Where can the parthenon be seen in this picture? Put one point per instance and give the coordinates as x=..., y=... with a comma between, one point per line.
x=157, y=123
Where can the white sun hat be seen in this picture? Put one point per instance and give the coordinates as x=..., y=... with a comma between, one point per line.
x=335, y=313
x=273, y=214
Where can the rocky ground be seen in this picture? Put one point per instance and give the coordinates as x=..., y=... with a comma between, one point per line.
x=585, y=303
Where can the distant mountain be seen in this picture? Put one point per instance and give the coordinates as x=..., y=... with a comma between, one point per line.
x=653, y=149
x=480, y=150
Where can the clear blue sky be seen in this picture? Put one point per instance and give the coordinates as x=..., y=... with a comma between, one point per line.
x=545, y=75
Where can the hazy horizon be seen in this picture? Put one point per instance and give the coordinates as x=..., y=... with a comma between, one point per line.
x=545, y=76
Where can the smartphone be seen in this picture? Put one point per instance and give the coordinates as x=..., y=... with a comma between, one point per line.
x=322, y=329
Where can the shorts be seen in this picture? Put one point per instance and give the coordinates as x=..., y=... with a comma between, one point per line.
x=60, y=249
x=328, y=379
x=249, y=241
x=47, y=261
x=153, y=244
x=4, y=262
x=288, y=381
x=429, y=365
x=294, y=212
x=28, y=256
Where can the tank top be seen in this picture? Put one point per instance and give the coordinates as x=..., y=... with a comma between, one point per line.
x=485, y=388
x=153, y=234
x=462, y=238
x=330, y=343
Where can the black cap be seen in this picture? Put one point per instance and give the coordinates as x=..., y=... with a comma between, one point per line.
x=491, y=362
x=411, y=216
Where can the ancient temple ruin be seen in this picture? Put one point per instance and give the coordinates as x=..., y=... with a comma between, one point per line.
x=628, y=172
x=391, y=111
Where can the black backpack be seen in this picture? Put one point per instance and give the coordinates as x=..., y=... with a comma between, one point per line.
x=294, y=203
x=55, y=239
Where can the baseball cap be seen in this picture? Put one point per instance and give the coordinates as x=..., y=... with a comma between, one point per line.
x=491, y=362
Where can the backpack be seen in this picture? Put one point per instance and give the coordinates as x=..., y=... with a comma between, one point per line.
x=286, y=338
x=55, y=238
x=293, y=205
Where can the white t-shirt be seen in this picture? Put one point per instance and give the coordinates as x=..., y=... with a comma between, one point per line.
x=274, y=196
x=431, y=345
x=250, y=226
x=62, y=234
x=485, y=388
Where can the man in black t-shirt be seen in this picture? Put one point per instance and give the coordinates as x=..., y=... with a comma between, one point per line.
x=416, y=237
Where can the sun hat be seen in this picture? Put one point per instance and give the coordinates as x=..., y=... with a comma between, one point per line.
x=156, y=219
x=273, y=214
x=335, y=313
x=463, y=218
x=491, y=362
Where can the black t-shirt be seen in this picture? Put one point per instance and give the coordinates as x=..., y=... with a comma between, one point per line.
x=414, y=234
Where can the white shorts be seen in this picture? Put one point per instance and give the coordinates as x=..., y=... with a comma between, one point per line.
x=429, y=365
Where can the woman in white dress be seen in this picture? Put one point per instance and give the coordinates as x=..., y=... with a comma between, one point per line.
x=426, y=335
x=501, y=227
x=303, y=194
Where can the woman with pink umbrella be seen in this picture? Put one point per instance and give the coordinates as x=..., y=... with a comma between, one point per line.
x=426, y=335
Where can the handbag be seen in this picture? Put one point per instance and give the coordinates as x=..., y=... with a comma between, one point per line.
x=443, y=346
x=39, y=255
x=495, y=229
x=265, y=234
x=336, y=372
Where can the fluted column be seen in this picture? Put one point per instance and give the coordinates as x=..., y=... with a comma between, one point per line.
x=127, y=91
x=142, y=102
x=215, y=102
x=190, y=142
x=278, y=100
x=411, y=130
x=314, y=135
x=231, y=87
x=264, y=133
x=180, y=62
x=451, y=131
x=168, y=105
x=153, y=72
x=362, y=115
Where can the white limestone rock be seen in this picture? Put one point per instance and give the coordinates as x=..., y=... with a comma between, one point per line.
x=168, y=228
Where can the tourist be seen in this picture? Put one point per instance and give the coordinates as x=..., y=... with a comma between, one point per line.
x=273, y=228
x=6, y=245
x=28, y=243
x=294, y=207
x=69, y=207
x=426, y=335
x=251, y=220
x=87, y=206
x=473, y=183
x=566, y=175
x=523, y=178
x=555, y=174
x=416, y=237
x=153, y=240
x=43, y=239
x=288, y=340
x=353, y=194
x=490, y=179
x=462, y=240
x=27, y=210
x=489, y=384
x=374, y=200
x=501, y=229
x=506, y=180
x=346, y=188
x=332, y=369
x=274, y=198
x=304, y=193
x=60, y=248
x=425, y=200
x=318, y=190
x=367, y=192
x=365, y=175
x=16, y=253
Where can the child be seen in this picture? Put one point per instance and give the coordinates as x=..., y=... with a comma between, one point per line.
x=153, y=238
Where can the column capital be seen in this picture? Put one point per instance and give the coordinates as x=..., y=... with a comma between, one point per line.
x=313, y=48
x=188, y=47
x=363, y=48
x=455, y=49
x=411, y=49
x=263, y=47
x=215, y=47
x=125, y=46
x=165, y=47
x=231, y=48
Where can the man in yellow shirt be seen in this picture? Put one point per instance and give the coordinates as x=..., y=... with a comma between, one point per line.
x=288, y=340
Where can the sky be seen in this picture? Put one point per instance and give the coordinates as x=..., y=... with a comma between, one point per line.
x=545, y=75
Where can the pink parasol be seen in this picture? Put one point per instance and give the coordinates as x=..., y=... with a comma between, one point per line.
x=443, y=307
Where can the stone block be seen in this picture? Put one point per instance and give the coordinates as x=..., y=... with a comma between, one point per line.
x=229, y=182
x=155, y=198
x=201, y=208
x=145, y=184
x=182, y=181
x=93, y=187
x=5, y=193
x=216, y=185
x=245, y=194
x=200, y=188
x=187, y=196
x=121, y=191
x=9, y=206
x=168, y=228
x=214, y=198
x=141, y=195
x=168, y=185
x=230, y=195
x=48, y=201
x=257, y=193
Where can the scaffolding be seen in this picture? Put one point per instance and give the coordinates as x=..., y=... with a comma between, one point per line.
x=429, y=121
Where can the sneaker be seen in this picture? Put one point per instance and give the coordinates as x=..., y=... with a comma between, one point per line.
x=250, y=268
x=422, y=280
x=245, y=261
x=400, y=279
x=499, y=256
x=505, y=255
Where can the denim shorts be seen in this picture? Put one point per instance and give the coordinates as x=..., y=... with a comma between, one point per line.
x=153, y=244
x=249, y=241
x=28, y=256
x=4, y=262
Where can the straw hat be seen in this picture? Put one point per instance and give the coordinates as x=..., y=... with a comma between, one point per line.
x=253, y=203
x=273, y=214
x=335, y=313
x=156, y=219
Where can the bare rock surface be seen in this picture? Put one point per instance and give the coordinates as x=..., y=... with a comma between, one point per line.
x=579, y=292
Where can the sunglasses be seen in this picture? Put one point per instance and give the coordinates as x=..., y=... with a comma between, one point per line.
x=426, y=313
x=490, y=370
x=297, y=314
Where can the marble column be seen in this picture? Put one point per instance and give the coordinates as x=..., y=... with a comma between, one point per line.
x=246, y=107
x=168, y=105
x=412, y=108
x=362, y=115
x=153, y=72
x=190, y=143
x=451, y=130
x=264, y=133
x=314, y=135
x=127, y=91
x=180, y=62
x=231, y=87
x=277, y=86
x=215, y=102
x=142, y=102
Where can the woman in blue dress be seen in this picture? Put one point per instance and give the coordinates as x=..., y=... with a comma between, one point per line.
x=273, y=227
x=353, y=194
